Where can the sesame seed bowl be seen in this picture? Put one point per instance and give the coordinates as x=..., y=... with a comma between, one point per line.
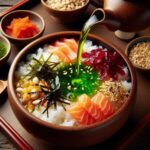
x=66, y=12
x=138, y=51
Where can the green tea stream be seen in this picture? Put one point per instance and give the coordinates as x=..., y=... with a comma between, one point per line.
x=80, y=79
x=86, y=29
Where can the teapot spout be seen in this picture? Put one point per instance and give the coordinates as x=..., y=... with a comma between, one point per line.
x=106, y=17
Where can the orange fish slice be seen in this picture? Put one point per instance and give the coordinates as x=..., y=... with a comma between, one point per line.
x=66, y=50
x=102, y=101
x=72, y=44
x=80, y=114
x=60, y=54
x=92, y=108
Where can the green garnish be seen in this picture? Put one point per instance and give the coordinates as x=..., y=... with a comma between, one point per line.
x=3, y=50
x=73, y=85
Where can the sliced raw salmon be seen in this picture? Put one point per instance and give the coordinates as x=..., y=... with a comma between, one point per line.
x=104, y=104
x=72, y=44
x=92, y=108
x=66, y=50
x=55, y=50
x=80, y=114
x=85, y=111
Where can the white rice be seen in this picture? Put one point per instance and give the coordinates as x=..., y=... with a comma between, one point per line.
x=127, y=85
x=23, y=69
x=56, y=116
x=88, y=46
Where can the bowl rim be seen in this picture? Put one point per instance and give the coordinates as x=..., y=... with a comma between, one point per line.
x=69, y=11
x=26, y=11
x=131, y=44
x=105, y=122
x=8, y=48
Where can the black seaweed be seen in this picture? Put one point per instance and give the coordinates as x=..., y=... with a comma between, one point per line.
x=53, y=96
x=46, y=70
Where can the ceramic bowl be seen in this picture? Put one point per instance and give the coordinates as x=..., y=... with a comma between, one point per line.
x=70, y=137
x=132, y=44
x=66, y=17
x=34, y=17
x=6, y=43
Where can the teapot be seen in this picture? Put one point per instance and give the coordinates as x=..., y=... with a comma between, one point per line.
x=125, y=17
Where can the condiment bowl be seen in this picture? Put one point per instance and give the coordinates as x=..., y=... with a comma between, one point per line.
x=134, y=43
x=7, y=46
x=34, y=17
x=66, y=17
x=70, y=137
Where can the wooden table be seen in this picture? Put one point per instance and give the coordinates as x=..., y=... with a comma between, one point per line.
x=142, y=106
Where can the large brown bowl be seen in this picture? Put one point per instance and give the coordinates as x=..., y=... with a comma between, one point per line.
x=70, y=137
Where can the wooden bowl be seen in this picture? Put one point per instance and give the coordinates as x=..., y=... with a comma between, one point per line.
x=66, y=17
x=7, y=45
x=134, y=43
x=70, y=137
x=34, y=17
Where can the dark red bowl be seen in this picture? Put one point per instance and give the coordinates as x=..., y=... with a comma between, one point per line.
x=70, y=137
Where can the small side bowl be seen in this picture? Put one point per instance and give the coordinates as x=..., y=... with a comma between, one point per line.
x=66, y=17
x=34, y=17
x=132, y=44
x=7, y=45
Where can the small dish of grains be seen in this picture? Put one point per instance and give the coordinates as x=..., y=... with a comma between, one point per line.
x=138, y=51
x=66, y=11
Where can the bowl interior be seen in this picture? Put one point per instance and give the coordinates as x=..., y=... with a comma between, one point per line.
x=32, y=47
x=6, y=44
x=35, y=18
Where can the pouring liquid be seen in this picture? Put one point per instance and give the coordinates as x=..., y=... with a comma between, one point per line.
x=95, y=18
x=82, y=79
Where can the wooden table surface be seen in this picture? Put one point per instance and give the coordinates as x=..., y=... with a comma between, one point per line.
x=142, y=106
